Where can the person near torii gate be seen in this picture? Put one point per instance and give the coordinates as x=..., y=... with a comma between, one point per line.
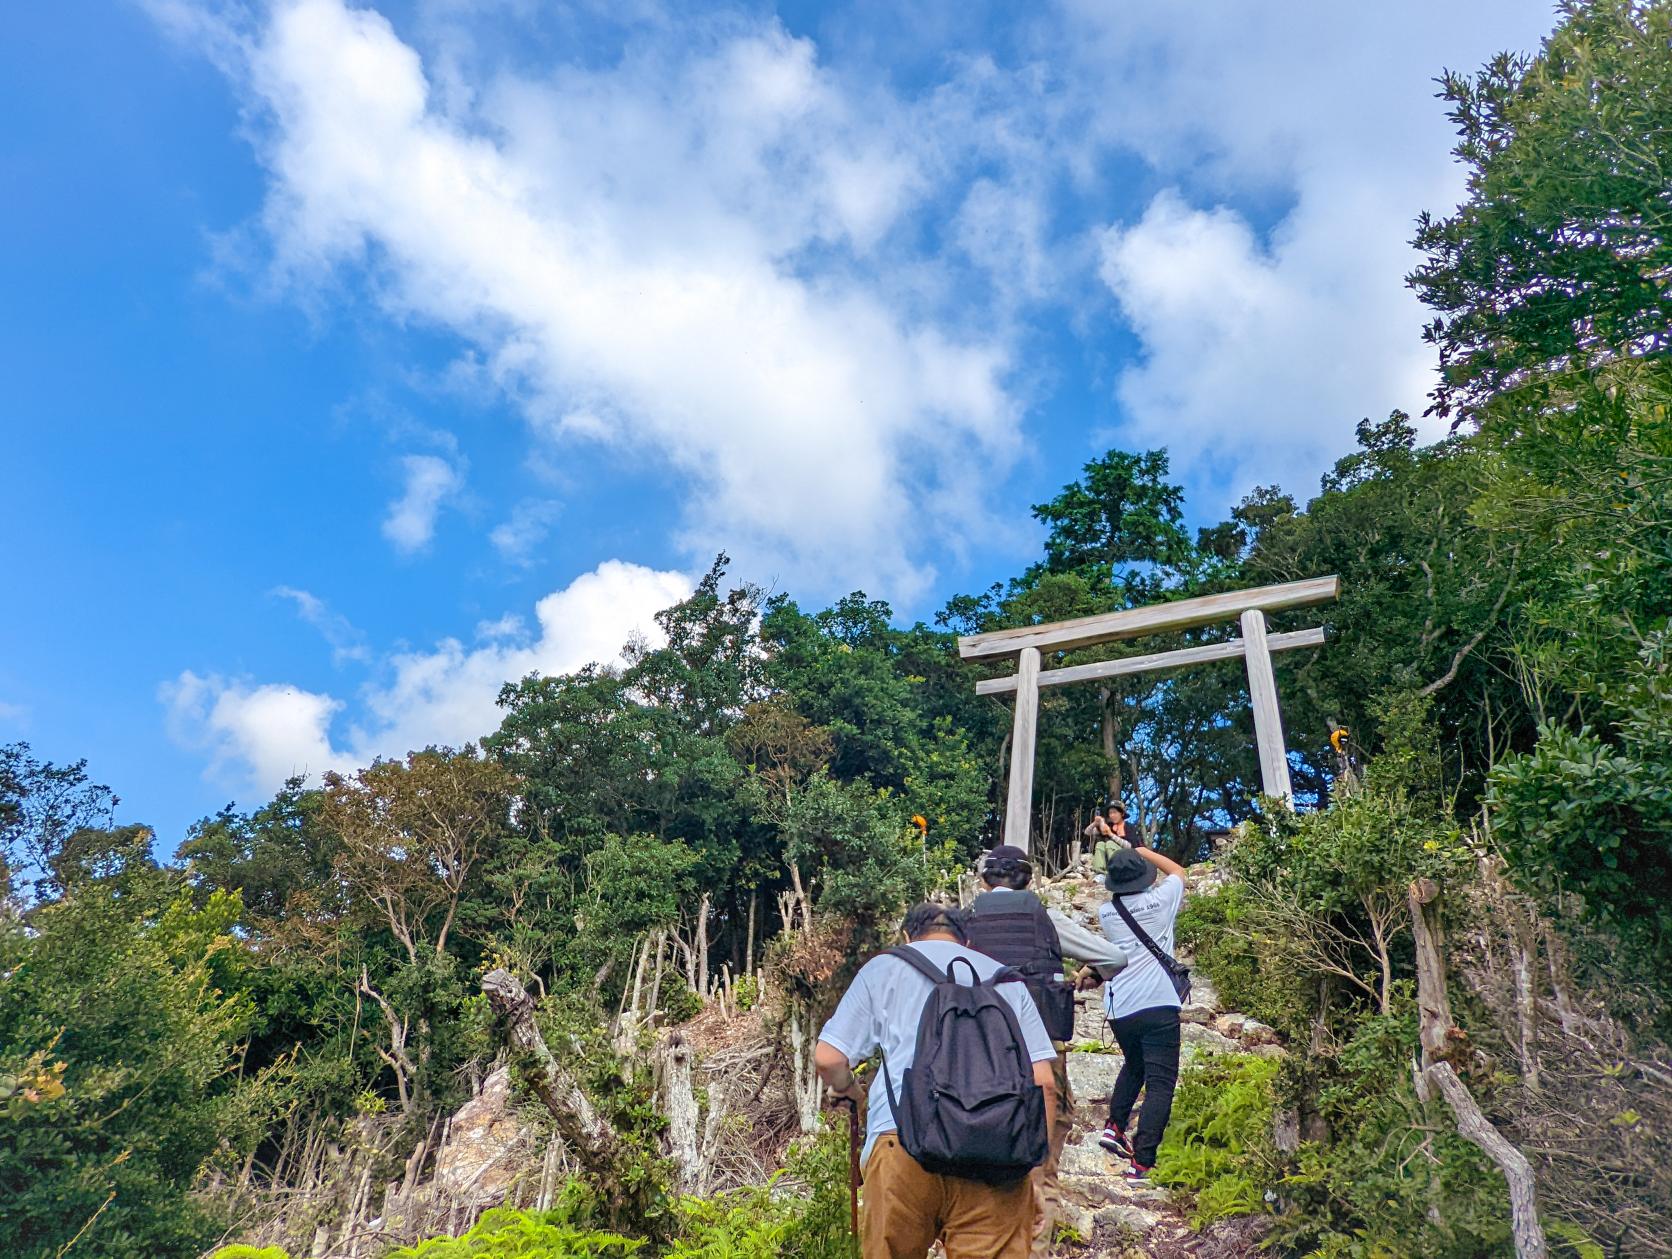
x=1109, y=833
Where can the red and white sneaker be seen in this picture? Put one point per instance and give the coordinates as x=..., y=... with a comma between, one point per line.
x=1136, y=1172
x=1114, y=1140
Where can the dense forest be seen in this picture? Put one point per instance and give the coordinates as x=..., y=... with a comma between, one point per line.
x=735, y=817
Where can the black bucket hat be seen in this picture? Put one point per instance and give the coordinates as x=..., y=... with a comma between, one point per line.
x=1128, y=872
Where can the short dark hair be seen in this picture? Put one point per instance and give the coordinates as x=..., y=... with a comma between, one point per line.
x=926, y=917
x=1014, y=875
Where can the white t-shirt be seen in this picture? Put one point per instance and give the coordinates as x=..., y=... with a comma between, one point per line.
x=1143, y=985
x=881, y=1009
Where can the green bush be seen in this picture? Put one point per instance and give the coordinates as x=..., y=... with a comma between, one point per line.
x=822, y=1225
x=251, y=1252
x=1217, y=929
x=747, y=992
x=744, y=1224
x=1591, y=812
x=1394, y=1178
x=1218, y=1146
x=769, y=1221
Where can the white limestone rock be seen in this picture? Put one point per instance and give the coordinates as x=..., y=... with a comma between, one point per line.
x=1200, y=1039
x=486, y=1146
x=1091, y=1076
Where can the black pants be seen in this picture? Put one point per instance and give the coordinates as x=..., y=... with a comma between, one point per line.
x=1149, y=1040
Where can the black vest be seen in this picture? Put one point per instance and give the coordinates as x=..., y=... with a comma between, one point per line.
x=1015, y=929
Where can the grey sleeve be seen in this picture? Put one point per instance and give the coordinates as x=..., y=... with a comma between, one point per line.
x=1087, y=947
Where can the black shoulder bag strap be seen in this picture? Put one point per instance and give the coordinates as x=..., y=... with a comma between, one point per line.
x=1179, y=975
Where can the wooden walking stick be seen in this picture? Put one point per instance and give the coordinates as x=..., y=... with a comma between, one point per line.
x=853, y=1171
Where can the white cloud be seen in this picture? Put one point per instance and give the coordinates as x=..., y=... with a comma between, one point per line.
x=430, y=482
x=1261, y=349
x=654, y=250
x=1258, y=355
x=346, y=642
x=528, y=525
x=16, y=714
x=258, y=734
x=255, y=735
x=797, y=293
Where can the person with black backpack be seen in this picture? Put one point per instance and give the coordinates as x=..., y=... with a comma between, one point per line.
x=960, y=1109
x=1012, y=925
x=1142, y=1003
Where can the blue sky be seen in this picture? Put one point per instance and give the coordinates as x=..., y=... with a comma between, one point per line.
x=357, y=359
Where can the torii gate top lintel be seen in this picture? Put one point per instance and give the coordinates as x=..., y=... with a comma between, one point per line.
x=1255, y=646
x=1154, y=618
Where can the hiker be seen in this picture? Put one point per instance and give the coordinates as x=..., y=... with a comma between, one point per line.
x=1011, y=924
x=1142, y=1002
x=907, y=1205
x=1108, y=833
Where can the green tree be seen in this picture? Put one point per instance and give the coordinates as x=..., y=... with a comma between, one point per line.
x=267, y=856
x=1593, y=815
x=839, y=668
x=1429, y=597
x=860, y=860
x=1558, y=261
x=125, y=999
x=1122, y=519
x=414, y=835
x=41, y=806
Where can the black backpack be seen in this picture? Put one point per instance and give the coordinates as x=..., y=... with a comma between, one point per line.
x=1025, y=939
x=968, y=1105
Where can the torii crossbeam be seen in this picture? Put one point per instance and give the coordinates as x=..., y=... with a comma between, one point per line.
x=1255, y=647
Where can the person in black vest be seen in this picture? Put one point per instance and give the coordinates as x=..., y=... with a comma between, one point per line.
x=1012, y=925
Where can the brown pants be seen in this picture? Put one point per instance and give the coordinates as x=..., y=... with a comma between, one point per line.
x=1046, y=1185
x=907, y=1208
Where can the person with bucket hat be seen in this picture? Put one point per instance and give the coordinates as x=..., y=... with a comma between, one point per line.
x=1012, y=925
x=1142, y=1002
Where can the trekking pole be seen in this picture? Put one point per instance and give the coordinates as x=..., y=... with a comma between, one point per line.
x=853, y=1171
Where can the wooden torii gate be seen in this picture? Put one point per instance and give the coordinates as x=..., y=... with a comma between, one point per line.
x=1255, y=647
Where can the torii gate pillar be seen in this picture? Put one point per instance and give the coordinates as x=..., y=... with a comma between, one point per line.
x=1018, y=809
x=1268, y=718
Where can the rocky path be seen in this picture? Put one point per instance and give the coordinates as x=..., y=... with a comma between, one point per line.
x=1115, y=1216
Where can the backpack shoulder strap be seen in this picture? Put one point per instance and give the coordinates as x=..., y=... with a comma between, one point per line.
x=935, y=975
x=917, y=961
x=1168, y=962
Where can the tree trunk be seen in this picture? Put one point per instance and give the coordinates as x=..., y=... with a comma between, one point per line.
x=1518, y=1172
x=749, y=947
x=587, y=1133
x=804, y=1078
x=680, y=1102
x=1438, y=1035
x=1138, y=800
x=1434, y=1027
x=1523, y=951
x=1111, y=741
x=701, y=984
x=655, y=1002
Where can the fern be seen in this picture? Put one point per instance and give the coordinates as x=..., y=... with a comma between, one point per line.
x=509, y=1234
x=1217, y=1147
